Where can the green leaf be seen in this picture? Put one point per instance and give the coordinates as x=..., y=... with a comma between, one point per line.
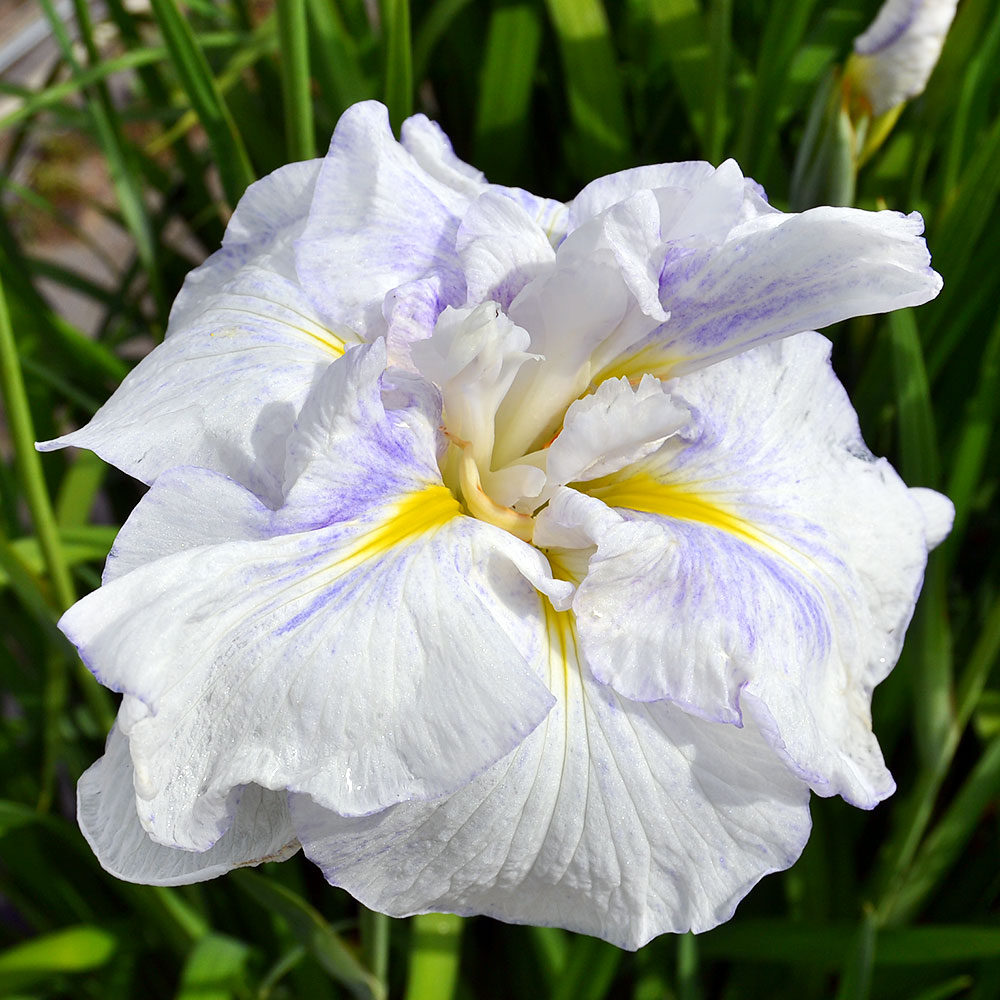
x=295, y=80
x=228, y=150
x=942, y=849
x=398, y=88
x=433, y=27
x=121, y=158
x=678, y=38
x=856, y=980
x=508, y=74
x=784, y=30
x=600, y=143
x=78, y=545
x=975, y=435
x=76, y=949
x=590, y=967
x=214, y=969
x=435, y=951
x=337, y=58
x=827, y=945
x=313, y=932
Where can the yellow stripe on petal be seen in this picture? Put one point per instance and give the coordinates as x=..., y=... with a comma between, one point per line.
x=647, y=495
x=415, y=514
x=564, y=654
x=649, y=360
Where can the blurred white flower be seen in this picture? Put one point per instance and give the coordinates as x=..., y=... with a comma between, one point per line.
x=508, y=556
x=894, y=58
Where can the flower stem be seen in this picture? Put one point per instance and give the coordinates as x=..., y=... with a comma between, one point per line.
x=36, y=493
x=28, y=463
x=435, y=951
x=375, y=943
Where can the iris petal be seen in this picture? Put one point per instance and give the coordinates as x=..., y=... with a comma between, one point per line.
x=260, y=831
x=613, y=818
x=762, y=555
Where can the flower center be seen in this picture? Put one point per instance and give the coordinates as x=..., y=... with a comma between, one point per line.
x=482, y=506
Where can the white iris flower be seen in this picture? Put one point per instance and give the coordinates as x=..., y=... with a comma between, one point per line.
x=508, y=556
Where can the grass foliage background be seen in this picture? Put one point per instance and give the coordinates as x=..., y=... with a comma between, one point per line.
x=184, y=106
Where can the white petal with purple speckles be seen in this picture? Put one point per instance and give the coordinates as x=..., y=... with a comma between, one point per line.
x=378, y=220
x=243, y=348
x=781, y=274
x=426, y=142
x=613, y=818
x=339, y=583
x=895, y=55
x=501, y=249
x=762, y=553
x=260, y=830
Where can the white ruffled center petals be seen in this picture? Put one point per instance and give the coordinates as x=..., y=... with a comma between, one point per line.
x=613, y=427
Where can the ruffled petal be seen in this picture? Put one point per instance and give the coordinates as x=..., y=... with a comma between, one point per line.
x=613, y=818
x=473, y=357
x=362, y=643
x=501, y=248
x=260, y=831
x=427, y=143
x=380, y=220
x=776, y=275
x=613, y=427
x=630, y=234
x=762, y=557
x=551, y=216
x=365, y=667
x=599, y=195
x=243, y=348
x=571, y=314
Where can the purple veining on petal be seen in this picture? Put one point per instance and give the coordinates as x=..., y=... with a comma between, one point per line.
x=869, y=42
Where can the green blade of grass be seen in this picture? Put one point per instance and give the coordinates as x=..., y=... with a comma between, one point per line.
x=956, y=235
x=970, y=455
x=919, y=462
x=688, y=962
x=827, y=945
x=120, y=156
x=375, y=934
x=432, y=28
x=856, y=979
x=73, y=950
x=398, y=67
x=435, y=951
x=679, y=39
x=915, y=815
x=920, y=466
x=941, y=850
x=93, y=546
x=513, y=40
x=787, y=21
x=77, y=493
x=590, y=967
x=214, y=969
x=593, y=85
x=28, y=461
x=35, y=101
x=191, y=66
x=314, y=932
x=720, y=16
x=337, y=58
x=295, y=80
